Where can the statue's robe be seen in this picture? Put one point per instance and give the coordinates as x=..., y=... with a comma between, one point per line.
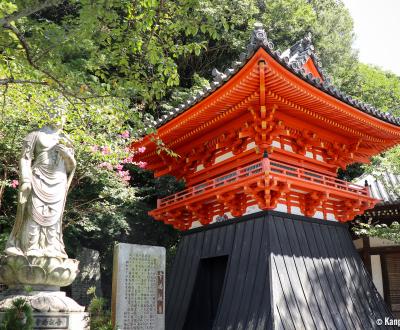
x=38, y=226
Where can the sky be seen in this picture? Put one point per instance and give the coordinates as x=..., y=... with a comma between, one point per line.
x=377, y=28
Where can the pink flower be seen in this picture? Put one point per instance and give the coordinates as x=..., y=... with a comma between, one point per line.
x=106, y=165
x=94, y=148
x=119, y=167
x=128, y=160
x=125, y=134
x=126, y=178
x=142, y=164
x=105, y=150
x=142, y=149
x=123, y=173
x=14, y=183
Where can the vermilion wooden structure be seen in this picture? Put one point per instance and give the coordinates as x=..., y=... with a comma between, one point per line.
x=270, y=132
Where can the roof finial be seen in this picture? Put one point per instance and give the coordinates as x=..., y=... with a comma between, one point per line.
x=259, y=35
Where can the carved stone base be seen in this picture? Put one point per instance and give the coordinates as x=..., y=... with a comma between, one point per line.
x=17, y=271
x=51, y=309
x=42, y=301
x=59, y=321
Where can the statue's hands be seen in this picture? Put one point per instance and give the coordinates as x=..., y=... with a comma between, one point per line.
x=63, y=150
x=67, y=154
x=24, y=192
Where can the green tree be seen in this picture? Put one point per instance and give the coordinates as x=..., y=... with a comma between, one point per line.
x=381, y=89
x=378, y=87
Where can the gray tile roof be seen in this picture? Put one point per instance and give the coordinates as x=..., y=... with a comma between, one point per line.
x=293, y=60
x=384, y=186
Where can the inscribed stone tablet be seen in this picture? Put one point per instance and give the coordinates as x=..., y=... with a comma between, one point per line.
x=139, y=287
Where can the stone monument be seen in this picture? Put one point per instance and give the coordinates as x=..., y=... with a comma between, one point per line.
x=138, y=299
x=35, y=255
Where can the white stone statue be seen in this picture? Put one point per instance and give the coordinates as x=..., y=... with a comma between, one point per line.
x=47, y=166
x=35, y=253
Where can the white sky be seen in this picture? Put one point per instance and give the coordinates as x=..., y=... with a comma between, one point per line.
x=377, y=29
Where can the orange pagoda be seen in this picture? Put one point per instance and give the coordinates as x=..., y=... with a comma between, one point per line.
x=259, y=150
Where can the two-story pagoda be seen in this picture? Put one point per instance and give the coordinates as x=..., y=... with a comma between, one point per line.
x=265, y=244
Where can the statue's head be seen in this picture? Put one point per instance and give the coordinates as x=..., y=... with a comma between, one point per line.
x=56, y=114
x=57, y=121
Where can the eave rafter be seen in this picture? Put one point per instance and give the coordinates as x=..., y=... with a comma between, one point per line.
x=263, y=128
x=264, y=184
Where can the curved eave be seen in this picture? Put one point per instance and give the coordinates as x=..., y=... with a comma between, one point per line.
x=351, y=116
x=215, y=100
x=245, y=79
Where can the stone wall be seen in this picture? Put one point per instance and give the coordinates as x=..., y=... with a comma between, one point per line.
x=89, y=276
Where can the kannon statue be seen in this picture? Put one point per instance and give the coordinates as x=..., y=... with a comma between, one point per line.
x=47, y=166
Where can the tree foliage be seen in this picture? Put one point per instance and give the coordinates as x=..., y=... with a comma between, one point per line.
x=18, y=316
x=390, y=232
x=382, y=89
x=378, y=87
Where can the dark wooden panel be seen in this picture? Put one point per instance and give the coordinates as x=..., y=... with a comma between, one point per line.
x=216, y=238
x=328, y=290
x=206, y=251
x=178, y=272
x=302, y=268
x=322, y=303
x=356, y=292
x=392, y=264
x=186, y=285
x=295, y=271
x=284, y=302
x=373, y=304
x=342, y=301
x=229, y=239
x=283, y=272
x=351, y=301
x=236, y=307
x=260, y=313
x=223, y=320
x=256, y=259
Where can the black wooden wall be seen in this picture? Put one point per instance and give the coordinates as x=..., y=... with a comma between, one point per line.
x=280, y=271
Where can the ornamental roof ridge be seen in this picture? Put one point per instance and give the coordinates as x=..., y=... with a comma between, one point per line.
x=298, y=55
x=301, y=52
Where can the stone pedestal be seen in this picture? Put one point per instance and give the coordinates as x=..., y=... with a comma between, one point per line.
x=38, y=280
x=51, y=309
x=59, y=321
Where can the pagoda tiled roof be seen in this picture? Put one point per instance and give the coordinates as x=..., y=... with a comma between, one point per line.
x=293, y=59
x=383, y=186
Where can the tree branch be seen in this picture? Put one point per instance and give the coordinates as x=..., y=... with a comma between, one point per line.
x=61, y=87
x=28, y=54
x=28, y=11
x=6, y=81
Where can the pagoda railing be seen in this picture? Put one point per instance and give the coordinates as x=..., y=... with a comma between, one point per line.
x=275, y=168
